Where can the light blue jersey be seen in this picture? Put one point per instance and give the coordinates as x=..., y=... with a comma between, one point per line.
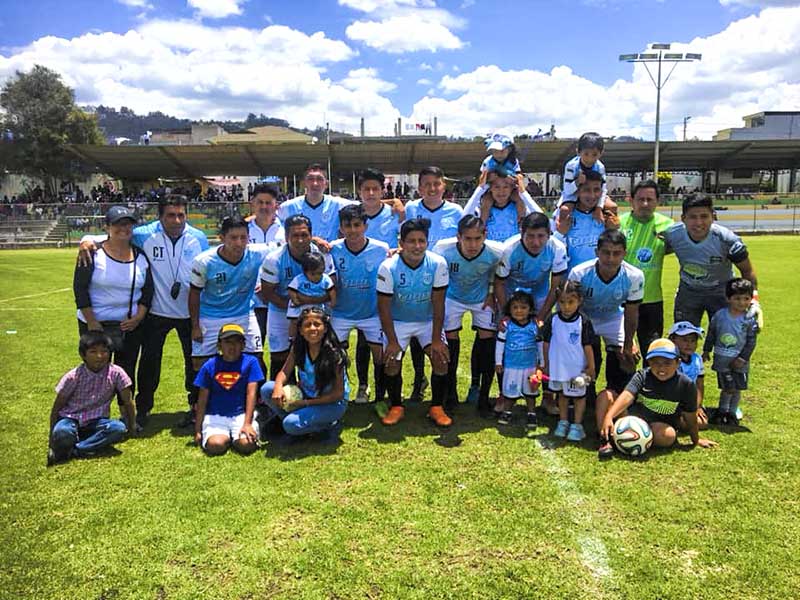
x=603, y=300
x=470, y=278
x=410, y=287
x=280, y=267
x=324, y=216
x=308, y=381
x=227, y=289
x=357, y=279
x=314, y=289
x=384, y=226
x=573, y=168
x=692, y=369
x=510, y=167
x=581, y=239
x=522, y=270
x=444, y=220
x=521, y=350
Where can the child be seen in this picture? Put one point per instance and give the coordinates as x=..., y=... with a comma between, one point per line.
x=322, y=366
x=502, y=157
x=590, y=149
x=516, y=357
x=79, y=419
x=313, y=287
x=732, y=338
x=685, y=336
x=659, y=395
x=567, y=337
x=227, y=386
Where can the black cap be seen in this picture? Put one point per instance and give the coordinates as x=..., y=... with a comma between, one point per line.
x=116, y=214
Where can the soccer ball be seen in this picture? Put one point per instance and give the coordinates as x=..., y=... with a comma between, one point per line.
x=293, y=397
x=632, y=436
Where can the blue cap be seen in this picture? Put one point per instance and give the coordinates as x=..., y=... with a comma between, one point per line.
x=498, y=141
x=682, y=328
x=116, y=214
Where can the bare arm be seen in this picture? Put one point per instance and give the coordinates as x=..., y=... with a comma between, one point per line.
x=59, y=403
x=591, y=369
x=631, y=322
x=200, y=413
x=269, y=293
x=550, y=300
x=194, y=313
x=747, y=271
x=127, y=409
x=335, y=394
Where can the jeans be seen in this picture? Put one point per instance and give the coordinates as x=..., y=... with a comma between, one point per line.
x=310, y=419
x=67, y=437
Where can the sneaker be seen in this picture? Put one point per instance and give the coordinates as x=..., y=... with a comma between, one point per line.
x=530, y=421
x=576, y=433
x=715, y=418
x=362, y=397
x=606, y=450
x=382, y=408
x=561, y=429
x=505, y=417
x=472, y=394
x=733, y=420
x=739, y=414
x=394, y=416
x=51, y=457
x=438, y=416
x=419, y=389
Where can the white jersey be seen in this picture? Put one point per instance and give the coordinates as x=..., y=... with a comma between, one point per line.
x=273, y=235
x=567, y=339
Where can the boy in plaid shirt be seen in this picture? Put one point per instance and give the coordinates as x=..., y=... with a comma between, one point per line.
x=79, y=420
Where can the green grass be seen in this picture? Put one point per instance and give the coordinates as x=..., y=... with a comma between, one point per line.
x=408, y=512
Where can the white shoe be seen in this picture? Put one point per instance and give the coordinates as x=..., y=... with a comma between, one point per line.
x=362, y=397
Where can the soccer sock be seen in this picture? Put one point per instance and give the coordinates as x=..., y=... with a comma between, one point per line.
x=485, y=357
x=735, y=396
x=394, y=385
x=418, y=360
x=475, y=363
x=438, y=389
x=454, y=346
x=380, y=390
x=724, y=402
x=363, y=355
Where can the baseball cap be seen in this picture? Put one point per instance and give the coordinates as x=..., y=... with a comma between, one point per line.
x=498, y=141
x=662, y=347
x=682, y=328
x=230, y=330
x=116, y=214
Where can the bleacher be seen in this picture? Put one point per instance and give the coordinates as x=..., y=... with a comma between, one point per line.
x=16, y=233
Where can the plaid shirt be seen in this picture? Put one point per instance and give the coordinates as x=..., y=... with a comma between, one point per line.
x=89, y=394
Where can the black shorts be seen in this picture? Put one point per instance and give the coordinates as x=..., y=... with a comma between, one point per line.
x=732, y=380
x=651, y=324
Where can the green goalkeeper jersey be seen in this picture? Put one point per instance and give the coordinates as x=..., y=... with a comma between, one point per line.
x=646, y=250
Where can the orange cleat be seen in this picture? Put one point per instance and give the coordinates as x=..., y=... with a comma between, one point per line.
x=438, y=416
x=394, y=416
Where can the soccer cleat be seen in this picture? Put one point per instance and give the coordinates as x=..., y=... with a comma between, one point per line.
x=438, y=416
x=394, y=416
x=362, y=397
x=505, y=418
x=576, y=433
x=418, y=391
x=531, y=422
x=561, y=429
x=51, y=457
x=733, y=420
x=606, y=450
x=472, y=394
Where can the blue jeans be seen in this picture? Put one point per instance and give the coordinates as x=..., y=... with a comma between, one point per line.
x=67, y=437
x=310, y=419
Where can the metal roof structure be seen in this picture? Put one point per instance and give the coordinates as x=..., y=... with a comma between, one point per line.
x=141, y=163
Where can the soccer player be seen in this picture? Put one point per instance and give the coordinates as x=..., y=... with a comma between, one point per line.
x=705, y=252
x=382, y=218
x=612, y=292
x=356, y=259
x=320, y=208
x=579, y=229
x=411, y=294
x=279, y=268
x=471, y=262
x=646, y=251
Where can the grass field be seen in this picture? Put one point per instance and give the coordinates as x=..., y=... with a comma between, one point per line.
x=409, y=512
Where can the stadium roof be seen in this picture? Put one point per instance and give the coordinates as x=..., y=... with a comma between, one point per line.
x=398, y=156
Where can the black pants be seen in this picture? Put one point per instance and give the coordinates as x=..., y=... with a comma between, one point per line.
x=616, y=377
x=155, y=330
x=651, y=324
x=126, y=356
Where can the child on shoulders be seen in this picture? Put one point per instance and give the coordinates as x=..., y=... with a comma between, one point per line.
x=590, y=149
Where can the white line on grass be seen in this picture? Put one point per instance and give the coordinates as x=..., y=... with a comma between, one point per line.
x=36, y=295
x=593, y=550
x=32, y=308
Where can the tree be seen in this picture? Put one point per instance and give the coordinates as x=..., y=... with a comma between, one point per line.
x=664, y=182
x=41, y=115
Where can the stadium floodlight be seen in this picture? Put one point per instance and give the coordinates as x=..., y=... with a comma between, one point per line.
x=659, y=57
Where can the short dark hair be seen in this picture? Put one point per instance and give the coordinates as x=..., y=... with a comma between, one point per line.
x=647, y=184
x=171, y=200
x=314, y=167
x=519, y=296
x=569, y=286
x=697, y=201
x=90, y=339
x=296, y=221
x=264, y=188
x=233, y=222
x=535, y=220
x=352, y=212
x=591, y=141
x=435, y=171
x=470, y=222
x=738, y=285
x=312, y=260
x=370, y=175
x=411, y=225
x=593, y=176
x=612, y=236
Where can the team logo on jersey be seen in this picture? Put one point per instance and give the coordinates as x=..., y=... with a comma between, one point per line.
x=574, y=336
x=728, y=340
x=644, y=255
x=227, y=379
x=618, y=294
x=326, y=216
x=427, y=278
x=695, y=271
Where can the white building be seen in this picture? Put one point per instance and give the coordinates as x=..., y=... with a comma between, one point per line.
x=769, y=125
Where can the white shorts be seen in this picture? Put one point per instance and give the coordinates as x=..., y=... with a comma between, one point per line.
x=211, y=327
x=227, y=426
x=516, y=384
x=370, y=327
x=566, y=388
x=612, y=331
x=405, y=330
x=278, y=331
x=482, y=318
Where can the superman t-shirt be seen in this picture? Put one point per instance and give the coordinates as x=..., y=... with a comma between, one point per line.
x=226, y=383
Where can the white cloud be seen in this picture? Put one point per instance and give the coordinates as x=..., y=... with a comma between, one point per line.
x=424, y=81
x=403, y=34
x=366, y=79
x=425, y=67
x=136, y=3
x=759, y=3
x=216, y=9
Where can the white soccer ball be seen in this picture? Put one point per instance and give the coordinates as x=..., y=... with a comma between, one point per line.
x=632, y=436
x=293, y=396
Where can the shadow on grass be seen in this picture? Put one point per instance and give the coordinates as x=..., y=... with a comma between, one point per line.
x=158, y=422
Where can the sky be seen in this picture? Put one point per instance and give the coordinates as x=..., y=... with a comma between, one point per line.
x=478, y=66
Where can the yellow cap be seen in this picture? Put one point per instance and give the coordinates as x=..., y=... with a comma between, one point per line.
x=231, y=330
